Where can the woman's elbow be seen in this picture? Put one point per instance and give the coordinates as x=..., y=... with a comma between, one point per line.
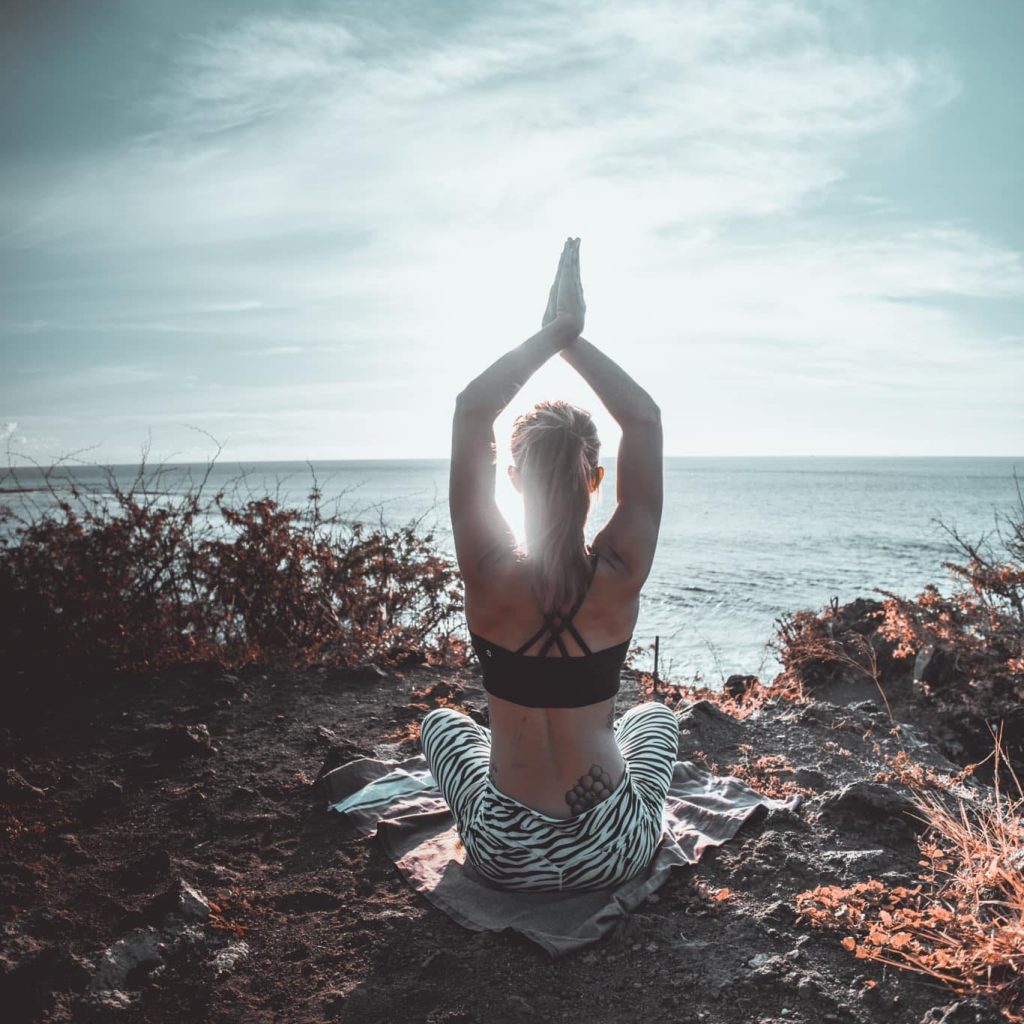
x=469, y=403
x=648, y=414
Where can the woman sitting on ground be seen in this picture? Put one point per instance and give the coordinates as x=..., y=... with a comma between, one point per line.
x=556, y=795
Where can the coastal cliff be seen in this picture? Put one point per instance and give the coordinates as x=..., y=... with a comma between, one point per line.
x=169, y=856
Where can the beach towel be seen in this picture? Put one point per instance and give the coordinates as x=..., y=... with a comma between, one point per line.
x=400, y=803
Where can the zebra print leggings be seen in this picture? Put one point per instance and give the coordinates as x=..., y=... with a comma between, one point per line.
x=516, y=847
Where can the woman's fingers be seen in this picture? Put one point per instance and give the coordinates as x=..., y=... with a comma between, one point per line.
x=577, y=276
x=570, y=292
x=552, y=307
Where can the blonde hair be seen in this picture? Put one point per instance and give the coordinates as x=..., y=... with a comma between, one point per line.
x=555, y=448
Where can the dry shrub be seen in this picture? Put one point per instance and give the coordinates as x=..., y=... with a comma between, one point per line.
x=760, y=773
x=406, y=735
x=814, y=647
x=740, y=703
x=972, y=642
x=132, y=578
x=963, y=923
x=764, y=772
x=903, y=769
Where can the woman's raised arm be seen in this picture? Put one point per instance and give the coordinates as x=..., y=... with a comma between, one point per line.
x=631, y=534
x=624, y=399
x=489, y=393
x=482, y=536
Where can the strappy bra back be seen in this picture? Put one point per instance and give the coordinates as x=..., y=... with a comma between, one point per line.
x=539, y=681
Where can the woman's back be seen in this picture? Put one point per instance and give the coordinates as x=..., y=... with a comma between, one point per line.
x=539, y=754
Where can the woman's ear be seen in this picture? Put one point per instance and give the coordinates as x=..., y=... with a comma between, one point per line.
x=595, y=480
x=513, y=475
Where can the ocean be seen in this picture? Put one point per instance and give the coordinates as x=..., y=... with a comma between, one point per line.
x=743, y=540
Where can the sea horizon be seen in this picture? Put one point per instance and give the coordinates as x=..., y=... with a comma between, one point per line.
x=445, y=458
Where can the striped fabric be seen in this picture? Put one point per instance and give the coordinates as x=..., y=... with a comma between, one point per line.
x=516, y=847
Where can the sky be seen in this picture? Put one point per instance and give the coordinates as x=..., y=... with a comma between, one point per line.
x=297, y=230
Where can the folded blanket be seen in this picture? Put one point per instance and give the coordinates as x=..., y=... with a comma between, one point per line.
x=399, y=800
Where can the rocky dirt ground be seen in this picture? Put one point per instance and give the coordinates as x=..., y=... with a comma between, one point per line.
x=167, y=856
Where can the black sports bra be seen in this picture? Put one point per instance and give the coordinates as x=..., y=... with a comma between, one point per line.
x=537, y=681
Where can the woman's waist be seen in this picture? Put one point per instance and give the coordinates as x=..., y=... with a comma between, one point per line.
x=559, y=783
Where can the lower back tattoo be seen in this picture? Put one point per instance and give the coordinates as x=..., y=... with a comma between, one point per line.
x=591, y=789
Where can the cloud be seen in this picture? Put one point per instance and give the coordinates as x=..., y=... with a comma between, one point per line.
x=626, y=118
x=251, y=71
x=402, y=183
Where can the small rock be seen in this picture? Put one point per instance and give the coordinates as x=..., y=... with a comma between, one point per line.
x=71, y=847
x=964, y=1011
x=810, y=985
x=810, y=778
x=111, y=1001
x=181, y=741
x=228, y=958
x=772, y=967
x=858, y=862
x=714, y=726
x=323, y=734
x=190, y=903
x=868, y=707
x=15, y=788
x=737, y=686
x=872, y=801
x=779, y=912
x=139, y=948
x=786, y=816
x=181, y=901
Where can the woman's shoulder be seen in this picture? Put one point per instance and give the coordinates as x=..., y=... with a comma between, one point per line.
x=508, y=598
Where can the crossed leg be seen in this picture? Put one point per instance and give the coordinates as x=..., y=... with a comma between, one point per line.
x=648, y=736
x=458, y=752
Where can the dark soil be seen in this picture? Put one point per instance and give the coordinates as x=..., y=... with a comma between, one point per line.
x=168, y=857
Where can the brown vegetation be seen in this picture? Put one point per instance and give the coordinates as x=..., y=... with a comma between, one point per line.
x=741, y=697
x=969, y=647
x=134, y=579
x=907, y=772
x=963, y=923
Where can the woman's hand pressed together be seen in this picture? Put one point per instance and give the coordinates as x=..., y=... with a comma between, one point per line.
x=565, y=300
